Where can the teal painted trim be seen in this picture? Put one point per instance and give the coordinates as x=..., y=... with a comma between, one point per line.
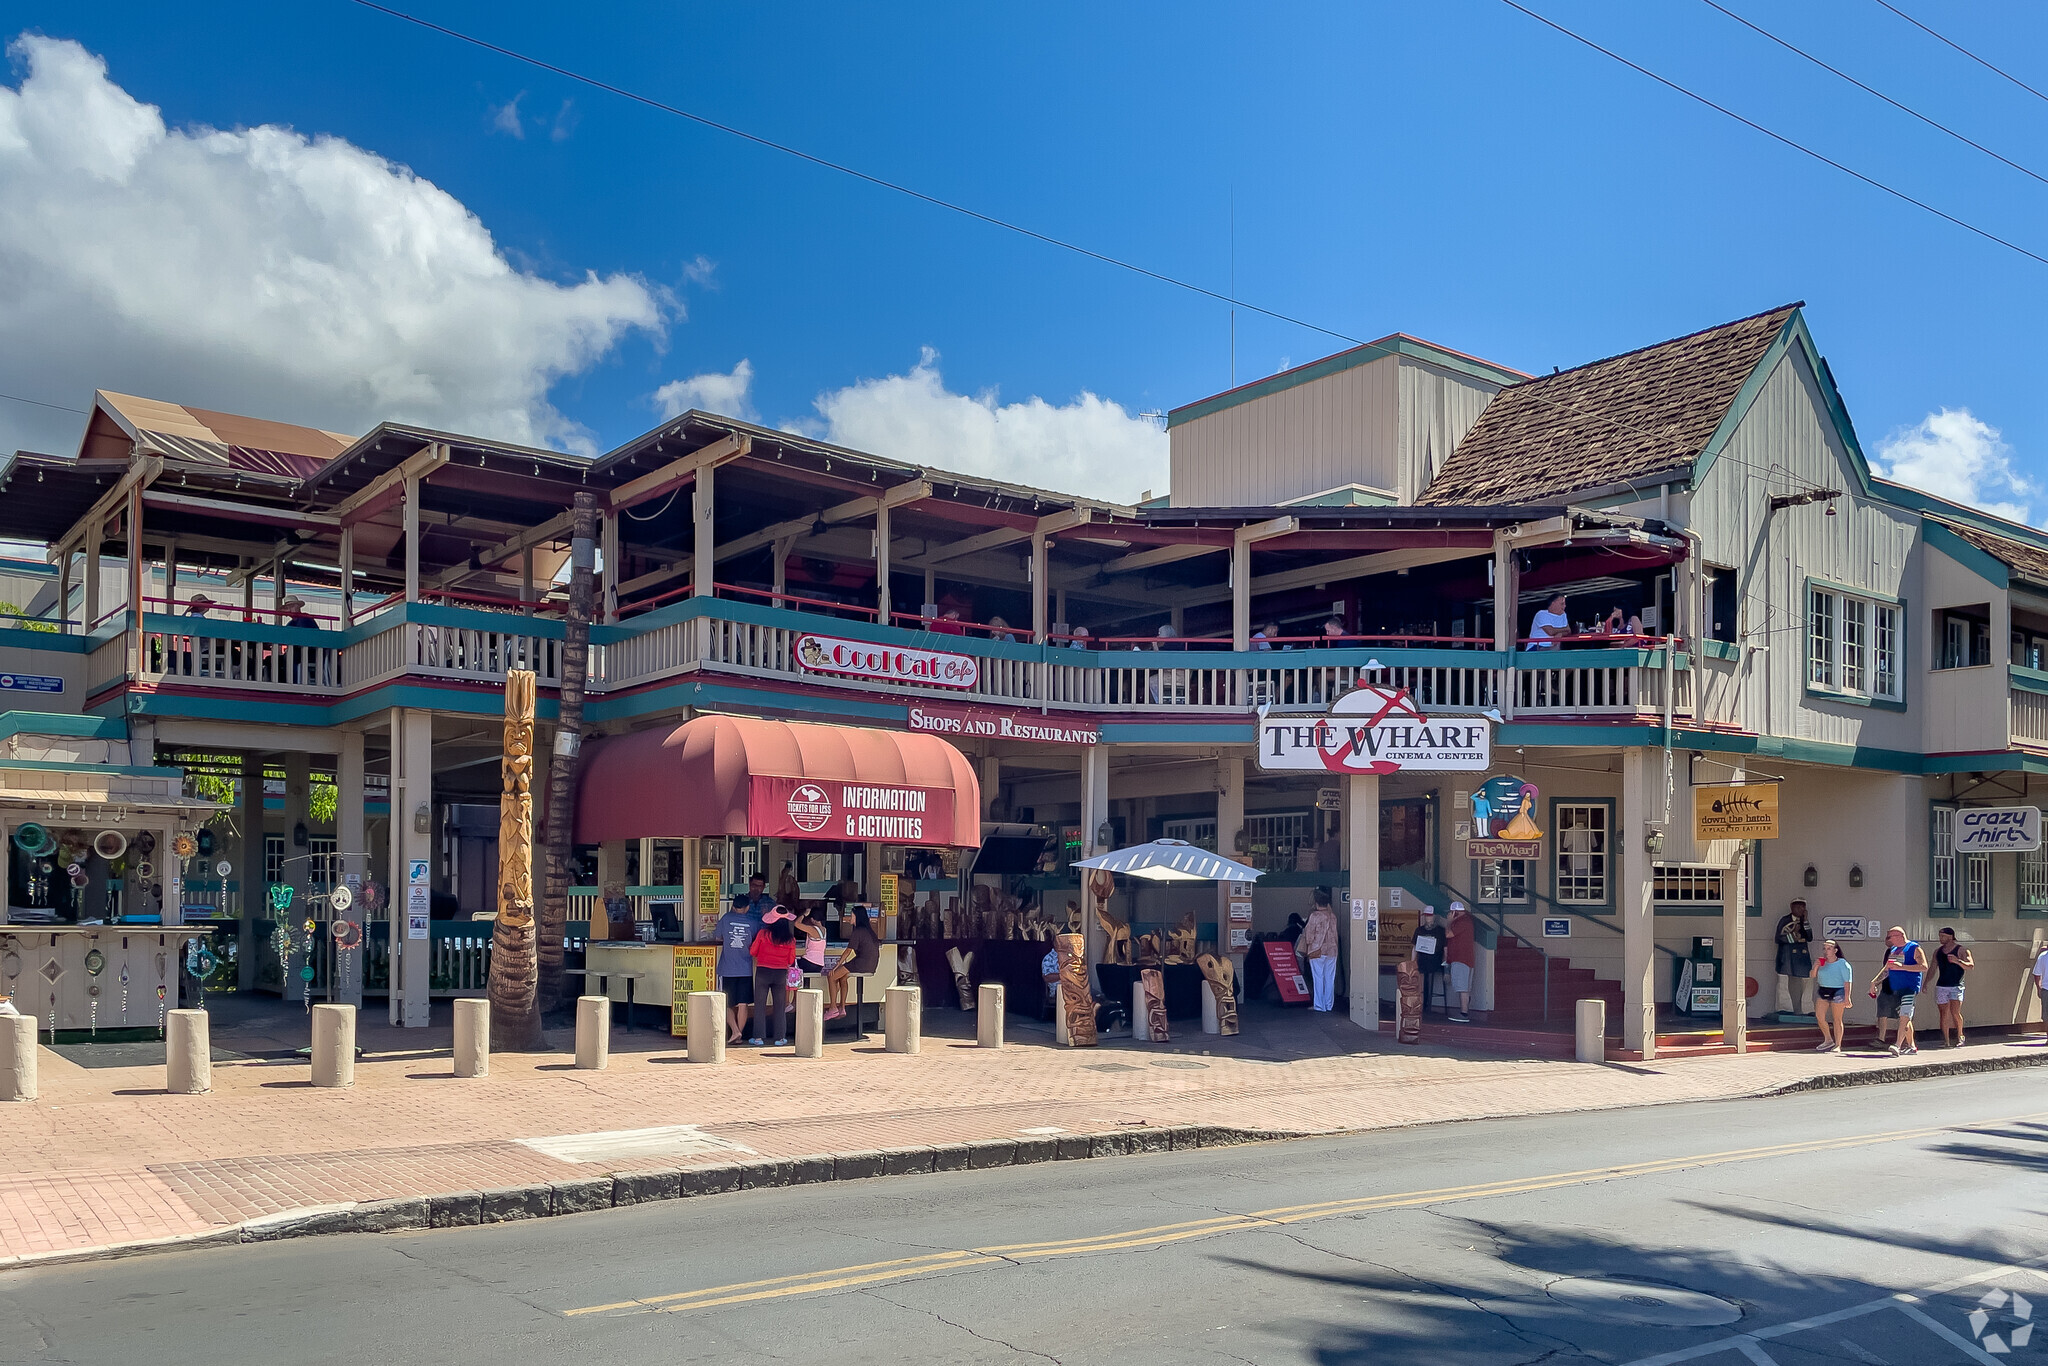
x=2032, y=913
x=1530, y=661
x=1982, y=563
x=1721, y=649
x=2027, y=680
x=1347, y=496
x=1640, y=493
x=811, y=624
x=1337, y=364
x=470, y=702
x=1850, y=699
x=1814, y=581
x=672, y=696
x=262, y=632
x=127, y=770
x=112, y=629
x=1170, y=732
x=25, y=567
x=22, y=638
x=62, y=723
x=1612, y=854
x=1745, y=397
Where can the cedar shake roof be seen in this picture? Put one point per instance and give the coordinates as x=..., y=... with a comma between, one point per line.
x=2027, y=561
x=1627, y=417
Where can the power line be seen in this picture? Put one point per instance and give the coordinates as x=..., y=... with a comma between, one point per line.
x=1996, y=71
x=843, y=169
x=60, y=407
x=1869, y=90
x=882, y=183
x=1777, y=137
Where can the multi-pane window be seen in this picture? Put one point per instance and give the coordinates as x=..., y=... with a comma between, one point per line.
x=1582, y=849
x=273, y=859
x=1679, y=884
x=1852, y=644
x=1502, y=880
x=1963, y=636
x=1976, y=882
x=1941, y=881
x=326, y=869
x=2034, y=880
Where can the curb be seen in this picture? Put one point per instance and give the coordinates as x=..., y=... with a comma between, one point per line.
x=463, y=1209
x=1879, y=1076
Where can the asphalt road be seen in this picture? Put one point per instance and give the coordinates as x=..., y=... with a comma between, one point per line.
x=1890, y=1213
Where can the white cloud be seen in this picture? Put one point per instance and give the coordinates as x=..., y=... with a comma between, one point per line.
x=262, y=271
x=1088, y=446
x=505, y=118
x=1955, y=455
x=711, y=392
x=566, y=119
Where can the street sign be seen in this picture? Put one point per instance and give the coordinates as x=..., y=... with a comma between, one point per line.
x=1746, y=812
x=31, y=683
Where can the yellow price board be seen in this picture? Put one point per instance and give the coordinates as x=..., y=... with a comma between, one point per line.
x=888, y=897
x=696, y=969
x=1747, y=812
x=709, y=889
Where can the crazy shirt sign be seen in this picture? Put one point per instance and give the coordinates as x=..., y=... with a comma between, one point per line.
x=1374, y=730
x=1997, y=829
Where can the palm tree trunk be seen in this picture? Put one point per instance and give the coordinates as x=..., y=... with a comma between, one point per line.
x=515, y=1012
x=554, y=916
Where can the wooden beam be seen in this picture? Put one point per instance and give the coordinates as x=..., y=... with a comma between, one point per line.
x=1149, y=559
x=652, y=485
x=1241, y=575
x=482, y=560
x=238, y=512
x=422, y=462
x=142, y=472
x=953, y=550
x=1330, y=571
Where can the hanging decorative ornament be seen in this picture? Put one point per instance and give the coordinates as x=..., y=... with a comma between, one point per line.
x=72, y=844
x=110, y=844
x=347, y=934
x=145, y=870
x=311, y=927
x=95, y=962
x=161, y=992
x=223, y=868
x=145, y=844
x=341, y=898
x=373, y=897
x=280, y=896
x=78, y=878
x=163, y=981
x=34, y=840
x=124, y=992
x=184, y=846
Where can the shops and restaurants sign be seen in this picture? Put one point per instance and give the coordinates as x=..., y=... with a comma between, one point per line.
x=988, y=724
x=1374, y=730
x=820, y=809
x=1997, y=829
x=1745, y=812
x=889, y=663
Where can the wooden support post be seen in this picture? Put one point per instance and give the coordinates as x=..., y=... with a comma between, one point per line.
x=135, y=588
x=89, y=613
x=704, y=549
x=1039, y=559
x=412, y=539
x=882, y=604
x=348, y=577
x=781, y=552
x=277, y=591
x=609, y=550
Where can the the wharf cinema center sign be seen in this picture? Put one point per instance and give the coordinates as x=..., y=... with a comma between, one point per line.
x=1375, y=730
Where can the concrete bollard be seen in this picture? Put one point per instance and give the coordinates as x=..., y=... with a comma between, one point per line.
x=810, y=1023
x=903, y=1020
x=17, y=1057
x=472, y=1037
x=706, y=1025
x=988, y=1028
x=1592, y=1032
x=1211, y=1024
x=334, y=1045
x=188, y=1053
x=593, y=1032
x=1141, y=1018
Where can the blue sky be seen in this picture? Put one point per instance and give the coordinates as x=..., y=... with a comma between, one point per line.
x=1452, y=170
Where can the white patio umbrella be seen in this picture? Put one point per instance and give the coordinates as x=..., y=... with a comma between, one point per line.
x=1171, y=861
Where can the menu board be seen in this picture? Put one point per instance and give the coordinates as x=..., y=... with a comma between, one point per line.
x=696, y=969
x=1397, y=935
x=708, y=889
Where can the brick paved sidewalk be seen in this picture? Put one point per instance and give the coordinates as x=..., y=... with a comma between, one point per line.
x=106, y=1157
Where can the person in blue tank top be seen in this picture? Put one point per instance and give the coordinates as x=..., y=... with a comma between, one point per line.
x=1905, y=968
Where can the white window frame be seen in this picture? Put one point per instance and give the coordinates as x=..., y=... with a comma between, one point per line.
x=1941, y=858
x=1585, y=844
x=2034, y=879
x=1501, y=881
x=273, y=860
x=1853, y=644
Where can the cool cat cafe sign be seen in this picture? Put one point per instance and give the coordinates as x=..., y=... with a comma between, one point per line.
x=1374, y=730
x=865, y=659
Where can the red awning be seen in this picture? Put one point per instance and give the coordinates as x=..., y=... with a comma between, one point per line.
x=732, y=775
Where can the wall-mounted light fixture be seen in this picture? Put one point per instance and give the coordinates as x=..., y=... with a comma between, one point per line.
x=422, y=819
x=299, y=835
x=1104, y=834
x=1653, y=841
x=1855, y=875
x=1812, y=876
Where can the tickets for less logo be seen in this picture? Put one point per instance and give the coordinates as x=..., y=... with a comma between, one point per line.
x=861, y=659
x=809, y=808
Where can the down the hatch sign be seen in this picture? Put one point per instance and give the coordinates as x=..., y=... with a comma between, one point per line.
x=1375, y=730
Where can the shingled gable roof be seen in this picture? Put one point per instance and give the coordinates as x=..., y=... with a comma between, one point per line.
x=2028, y=561
x=1624, y=418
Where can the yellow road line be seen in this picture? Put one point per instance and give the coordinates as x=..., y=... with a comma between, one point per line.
x=839, y=1278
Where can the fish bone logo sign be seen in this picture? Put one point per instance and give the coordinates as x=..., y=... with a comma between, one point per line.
x=1375, y=730
x=809, y=808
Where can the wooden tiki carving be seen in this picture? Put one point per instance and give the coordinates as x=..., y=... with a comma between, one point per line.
x=1075, y=998
x=514, y=979
x=1222, y=981
x=1117, y=946
x=1408, y=1000
x=1155, y=1004
x=963, y=970
x=1180, y=941
x=1146, y=949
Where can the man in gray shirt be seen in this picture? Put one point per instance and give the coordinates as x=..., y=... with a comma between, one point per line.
x=736, y=930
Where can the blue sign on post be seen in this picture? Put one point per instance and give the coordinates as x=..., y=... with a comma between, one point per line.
x=30, y=683
x=1558, y=927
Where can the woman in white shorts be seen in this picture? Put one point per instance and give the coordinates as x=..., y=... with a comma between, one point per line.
x=1951, y=961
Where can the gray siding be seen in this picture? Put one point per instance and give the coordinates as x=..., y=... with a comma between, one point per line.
x=1437, y=409
x=1339, y=429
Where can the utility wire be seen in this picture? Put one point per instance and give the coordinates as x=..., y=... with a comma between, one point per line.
x=975, y=214
x=1777, y=137
x=1996, y=71
x=1868, y=90
x=60, y=407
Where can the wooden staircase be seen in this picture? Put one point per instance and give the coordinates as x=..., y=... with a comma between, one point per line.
x=1518, y=989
